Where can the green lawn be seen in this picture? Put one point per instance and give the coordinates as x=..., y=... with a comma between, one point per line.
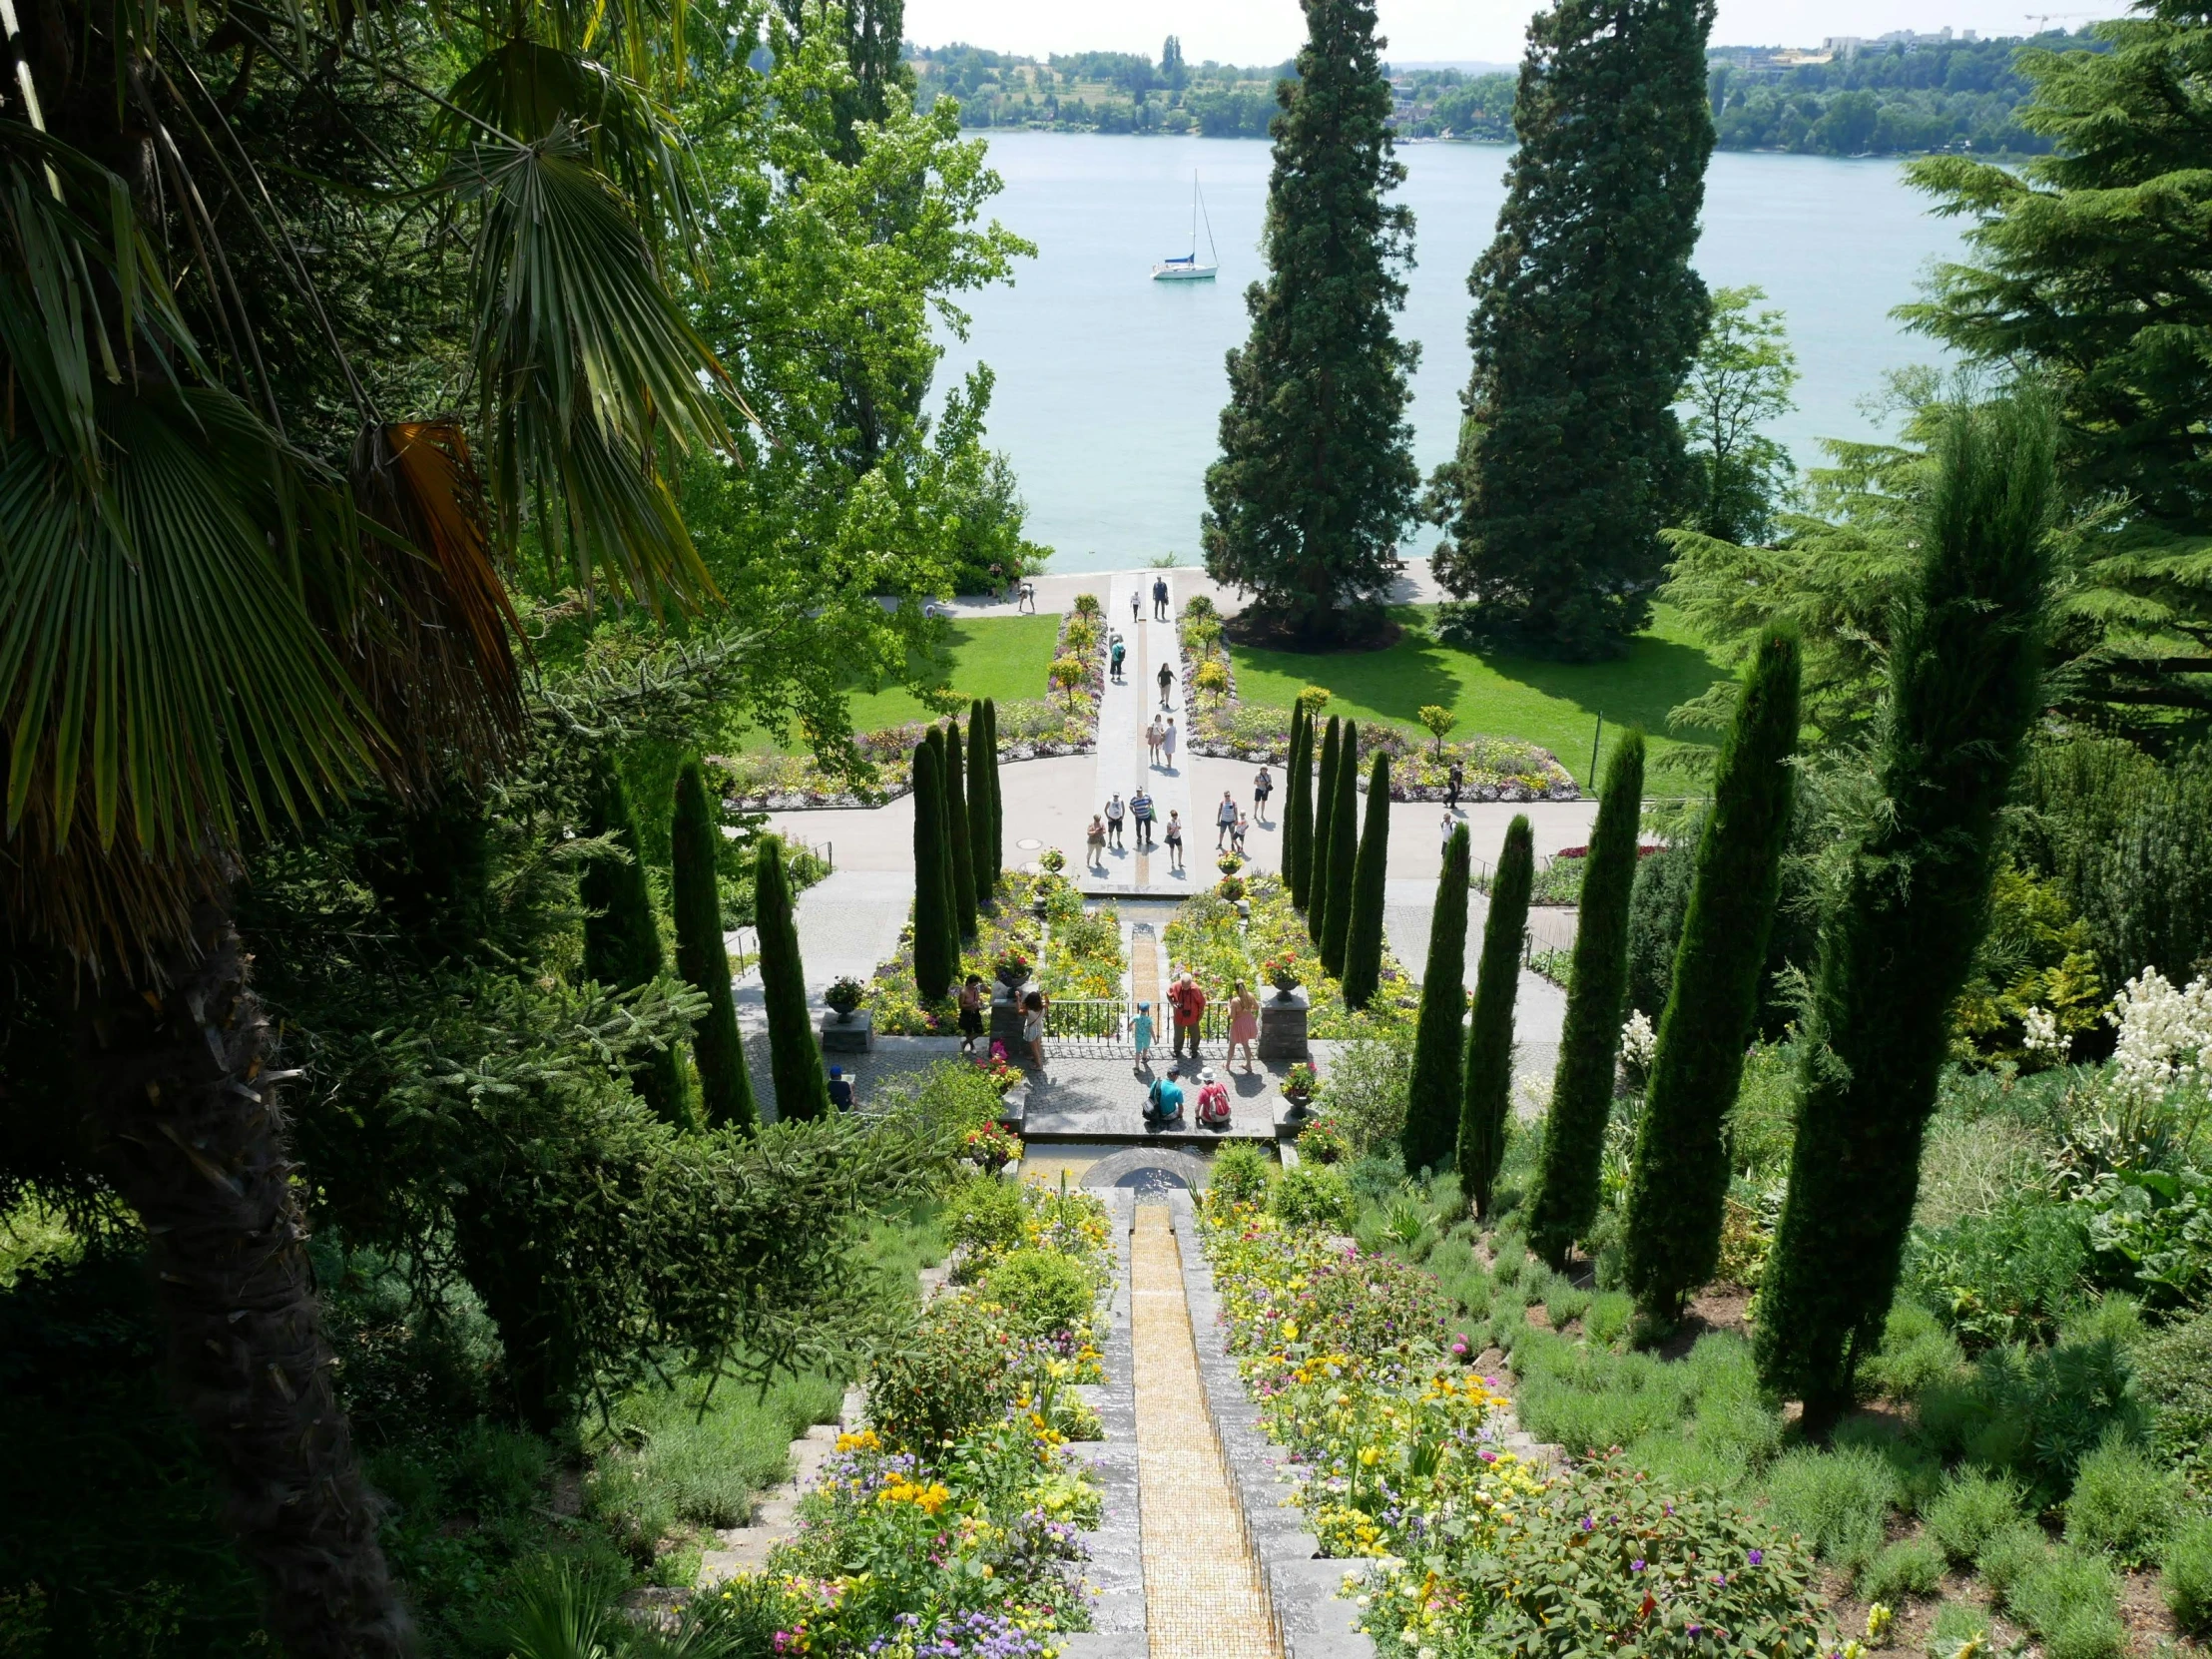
x=1003, y=658
x=1554, y=704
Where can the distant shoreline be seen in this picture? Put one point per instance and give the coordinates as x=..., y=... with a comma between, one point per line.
x=1508, y=145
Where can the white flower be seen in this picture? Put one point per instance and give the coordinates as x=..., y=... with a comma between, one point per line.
x=2165, y=1034
x=1639, y=1043
x=2042, y=1035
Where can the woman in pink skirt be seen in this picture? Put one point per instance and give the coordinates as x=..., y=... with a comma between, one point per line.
x=1244, y=1025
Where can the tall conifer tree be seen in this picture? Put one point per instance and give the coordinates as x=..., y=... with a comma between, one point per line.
x=1363, y=938
x=1587, y=313
x=936, y=960
x=940, y=747
x=717, y=1051
x=982, y=771
x=1964, y=683
x=1590, y=1036
x=1297, y=802
x=794, y=1059
x=1343, y=850
x=622, y=933
x=1316, y=842
x=1432, y=1096
x=1680, y=1177
x=998, y=849
x=960, y=843
x=1316, y=477
x=1487, y=1092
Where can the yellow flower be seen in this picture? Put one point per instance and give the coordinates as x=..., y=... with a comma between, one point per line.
x=1369, y=1455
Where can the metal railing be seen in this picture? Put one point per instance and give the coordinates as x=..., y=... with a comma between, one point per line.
x=1088, y=1025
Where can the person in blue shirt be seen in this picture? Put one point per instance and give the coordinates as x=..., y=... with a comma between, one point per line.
x=841, y=1089
x=1140, y=808
x=1140, y=1038
x=1163, y=1103
x=1120, y=651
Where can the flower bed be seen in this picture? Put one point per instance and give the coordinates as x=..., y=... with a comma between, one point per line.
x=1477, y=1552
x=1205, y=938
x=950, y=1527
x=1085, y=953
x=1028, y=730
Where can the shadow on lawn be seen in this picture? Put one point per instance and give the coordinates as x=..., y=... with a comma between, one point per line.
x=1635, y=689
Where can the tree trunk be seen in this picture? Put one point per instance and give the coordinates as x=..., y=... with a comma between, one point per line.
x=182, y=1095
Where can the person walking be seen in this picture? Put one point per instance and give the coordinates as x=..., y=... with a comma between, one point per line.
x=1262, y=787
x=1134, y=601
x=1140, y=808
x=1032, y=1027
x=1119, y=652
x=1028, y=598
x=1095, y=841
x=1152, y=741
x=1237, y=834
x=1455, y=779
x=1225, y=820
x=1166, y=678
x=1167, y=743
x=1188, y=1004
x=1115, y=812
x=1160, y=598
x=1244, y=1025
x=1175, y=839
x=971, y=1013
x=1448, y=828
x=1140, y=1038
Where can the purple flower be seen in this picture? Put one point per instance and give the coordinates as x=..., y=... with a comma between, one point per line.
x=1696, y=1630
x=1756, y=1557
x=1636, y=1565
x=1588, y=1523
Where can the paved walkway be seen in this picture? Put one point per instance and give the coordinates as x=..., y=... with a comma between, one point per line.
x=1203, y=1595
x=1539, y=1006
x=1055, y=594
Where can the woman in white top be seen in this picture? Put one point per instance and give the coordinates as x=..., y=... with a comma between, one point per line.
x=1167, y=743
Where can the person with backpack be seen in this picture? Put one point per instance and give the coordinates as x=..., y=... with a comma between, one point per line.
x=1454, y=781
x=1225, y=820
x=1163, y=1102
x=1262, y=787
x=1120, y=651
x=1213, y=1101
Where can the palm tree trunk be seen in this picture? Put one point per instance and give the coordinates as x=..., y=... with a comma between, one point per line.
x=183, y=1099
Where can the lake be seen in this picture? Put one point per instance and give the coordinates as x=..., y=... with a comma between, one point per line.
x=1109, y=384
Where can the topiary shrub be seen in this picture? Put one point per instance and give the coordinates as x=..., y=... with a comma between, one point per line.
x=1314, y=1194
x=952, y=1374
x=1040, y=1292
x=1909, y=1568
x=1239, y=1175
x=1972, y=1509
x=2187, y=1582
x=2124, y=1501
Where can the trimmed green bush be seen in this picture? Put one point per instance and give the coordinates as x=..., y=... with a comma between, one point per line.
x=795, y=1061
x=622, y=933
x=935, y=962
x=1432, y=1095
x=959, y=837
x=1680, y=1177
x=1043, y=1293
x=1343, y=851
x=2187, y=1582
x=1565, y=1200
x=1973, y=1508
x=982, y=781
x=1325, y=813
x=1364, y=938
x=1240, y=1173
x=1835, y=1500
x=1911, y=905
x=695, y=844
x=1314, y=1194
x=2124, y=1501
x=995, y=848
x=1486, y=1090
x=1909, y=1568
x=1298, y=803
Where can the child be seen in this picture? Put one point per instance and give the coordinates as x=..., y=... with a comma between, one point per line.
x=1140, y=1037
x=971, y=1013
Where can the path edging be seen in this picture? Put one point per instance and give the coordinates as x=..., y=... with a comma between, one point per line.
x=1115, y=1567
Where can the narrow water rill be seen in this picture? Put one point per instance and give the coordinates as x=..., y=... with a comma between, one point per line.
x=1203, y=1596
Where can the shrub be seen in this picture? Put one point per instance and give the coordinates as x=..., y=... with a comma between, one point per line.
x=1041, y=1293
x=2123, y=1501
x=2007, y=1275
x=2071, y=1599
x=1961, y=1631
x=1366, y=1091
x=1916, y=1352
x=983, y=1214
x=2035, y=1414
x=1240, y=1173
x=2175, y=1369
x=954, y=1372
x=1909, y=1568
x=1972, y=1509
x=1313, y=1195
x=2187, y=1581
x=2008, y=1556
x=1835, y=1501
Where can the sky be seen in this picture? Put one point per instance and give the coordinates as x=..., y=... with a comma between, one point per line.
x=1267, y=31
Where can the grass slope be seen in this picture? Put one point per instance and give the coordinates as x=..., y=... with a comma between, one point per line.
x=1496, y=695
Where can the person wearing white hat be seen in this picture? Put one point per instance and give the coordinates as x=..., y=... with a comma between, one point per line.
x=1213, y=1101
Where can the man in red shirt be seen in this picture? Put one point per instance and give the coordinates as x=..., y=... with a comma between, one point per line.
x=1189, y=1003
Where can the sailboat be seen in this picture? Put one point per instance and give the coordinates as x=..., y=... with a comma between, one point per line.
x=1187, y=268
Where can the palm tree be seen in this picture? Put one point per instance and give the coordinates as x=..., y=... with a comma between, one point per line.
x=242, y=571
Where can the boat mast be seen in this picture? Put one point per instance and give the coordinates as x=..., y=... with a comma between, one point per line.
x=1194, y=216
x=1213, y=254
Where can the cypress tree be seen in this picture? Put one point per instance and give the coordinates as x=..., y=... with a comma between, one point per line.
x=1317, y=475
x=934, y=959
x=997, y=847
x=1964, y=683
x=1588, y=314
x=1590, y=1037
x=961, y=842
x=943, y=750
x=1343, y=851
x=1486, y=1091
x=1297, y=802
x=1432, y=1096
x=982, y=767
x=1363, y=938
x=694, y=844
x=794, y=1059
x=1680, y=1177
x=622, y=936
x=1317, y=847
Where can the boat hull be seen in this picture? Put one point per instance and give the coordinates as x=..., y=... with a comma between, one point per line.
x=1184, y=273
